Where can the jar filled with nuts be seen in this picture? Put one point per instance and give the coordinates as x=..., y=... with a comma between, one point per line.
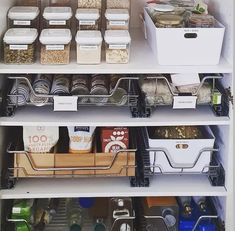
x=19, y=45
x=23, y=16
x=117, y=46
x=89, y=47
x=55, y=46
x=117, y=19
x=118, y=4
x=57, y=17
x=95, y=4
x=88, y=19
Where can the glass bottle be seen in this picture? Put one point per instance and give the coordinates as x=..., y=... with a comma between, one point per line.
x=170, y=219
x=186, y=204
x=201, y=203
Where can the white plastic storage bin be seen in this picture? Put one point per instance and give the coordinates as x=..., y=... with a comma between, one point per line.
x=57, y=17
x=185, y=46
x=89, y=47
x=23, y=16
x=55, y=46
x=19, y=45
x=182, y=153
x=117, y=43
x=88, y=19
x=117, y=19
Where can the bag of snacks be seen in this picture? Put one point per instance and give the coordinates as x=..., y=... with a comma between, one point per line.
x=80, y=139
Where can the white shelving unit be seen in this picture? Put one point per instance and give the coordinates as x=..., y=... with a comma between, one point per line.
x=142, y=62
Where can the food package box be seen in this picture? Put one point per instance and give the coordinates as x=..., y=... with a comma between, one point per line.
x=185, y=46
x=181, y=153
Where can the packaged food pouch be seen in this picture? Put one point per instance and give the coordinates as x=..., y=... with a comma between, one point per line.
x=40, y=139
x=22, y=209
x=80, y=139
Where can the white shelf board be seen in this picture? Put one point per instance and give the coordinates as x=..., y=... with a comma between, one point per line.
x=142, y=61
x=109, y=187
x=111, y=116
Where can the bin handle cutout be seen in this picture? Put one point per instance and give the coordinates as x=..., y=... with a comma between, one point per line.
x=190, y=35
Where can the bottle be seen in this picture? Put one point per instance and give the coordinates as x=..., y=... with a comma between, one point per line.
x=170, y=219
x=186, y=204
x=201, y=203
x=99, y=225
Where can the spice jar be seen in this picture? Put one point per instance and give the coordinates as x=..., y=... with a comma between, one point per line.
x=57, y=17
x=117, y=46
x=88, y=19
x=19, y=45
x=117, y=19
x=55, y=46
x=60, y=85
x=23, y=16
x=167, y=20
x=99, y=86
x=80, y=86
x=88, y=47
x=95, y=4
x=199, y=20
x=118, y=4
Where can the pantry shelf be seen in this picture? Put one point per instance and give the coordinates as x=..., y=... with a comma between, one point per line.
x=111, y=116
x=142, y=61
x=108, y=187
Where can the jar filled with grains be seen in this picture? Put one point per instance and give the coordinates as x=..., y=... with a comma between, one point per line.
x=57, y=17
x=88, y=19
x=201, y=21
x=117, y=19
x=95, y=4
x=118, y=4
x=117, y=46
x=89, y=47
x=168, y=20
x=19, y=45
x=23, y=16
x=55, y=46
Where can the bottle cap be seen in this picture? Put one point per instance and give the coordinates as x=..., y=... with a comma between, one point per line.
x=86, y=202
x=75, y=227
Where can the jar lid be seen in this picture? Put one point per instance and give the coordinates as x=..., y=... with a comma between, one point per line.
x=20, y=36
x=117, y=36
x=23, y=13
x=117, y=14
x=89, y=37
x=87, y=14
x=57, y=13
x=55, y=36
x=169, y=19
x=161, y=7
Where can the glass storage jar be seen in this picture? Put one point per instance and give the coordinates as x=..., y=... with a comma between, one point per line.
x=23, y=16
x=118, y=4
x=57, y=17
x=19, y=45
x=199, y=20
x=55, y=46
x=97, y=4
x=89, y=47
x=117, y=46
x=88, y=19
x=168, y=20
x=117, y=19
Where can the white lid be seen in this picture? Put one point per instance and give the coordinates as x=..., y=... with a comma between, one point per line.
x=162, y=7
x=23, y=13
x=117, y=36
x=55, y=36
x=87, y=14
x=57, y=13
x=89, y=37
x=20, y=36
x=117, y=14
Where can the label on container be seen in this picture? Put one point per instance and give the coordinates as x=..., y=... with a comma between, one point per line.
x=182, y=102
x=18, y=47
x=65, y=103
x=88, y=47
x=57, y=22
x=16, y=210
x=22, y=22
x=54, y=47
x=87, y=22
x=117, y=23
x=117, y=46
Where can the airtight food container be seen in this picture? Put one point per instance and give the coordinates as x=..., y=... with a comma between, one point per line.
x=19, y=45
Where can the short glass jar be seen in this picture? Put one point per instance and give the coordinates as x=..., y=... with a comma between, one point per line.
x=23, y=17
x=89, y=47
x=201, y=21
x=19, y=46
x=168, y=20
x=117, y=19
x=55, y=46
x=88, y=19
x=117, y=43
x=57, y=17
